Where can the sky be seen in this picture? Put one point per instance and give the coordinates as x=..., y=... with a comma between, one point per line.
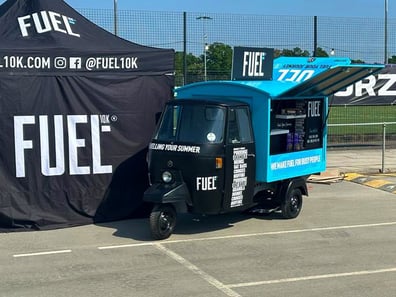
x=334, y=8
x=302, y=8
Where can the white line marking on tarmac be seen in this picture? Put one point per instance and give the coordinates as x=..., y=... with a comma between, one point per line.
x=210, y=279
x=251, y=235
x=311, y=277
x=42, y=253
x=110, y=247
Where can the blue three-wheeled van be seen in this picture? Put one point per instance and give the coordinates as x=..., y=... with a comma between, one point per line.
x=224, y=146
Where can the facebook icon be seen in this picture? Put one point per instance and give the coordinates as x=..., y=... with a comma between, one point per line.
x=75, y=63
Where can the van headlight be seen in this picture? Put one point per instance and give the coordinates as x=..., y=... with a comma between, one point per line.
x=167, y=177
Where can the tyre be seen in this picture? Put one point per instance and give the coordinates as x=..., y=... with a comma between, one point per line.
x=292, y=204
x=162, y=221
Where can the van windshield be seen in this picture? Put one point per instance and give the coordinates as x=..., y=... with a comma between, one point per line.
x=192, y=123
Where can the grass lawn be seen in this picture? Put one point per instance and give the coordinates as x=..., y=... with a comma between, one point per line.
x=361, y=114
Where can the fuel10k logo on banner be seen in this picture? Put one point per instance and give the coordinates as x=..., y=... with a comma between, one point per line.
x=80, y=134
x=46, y=21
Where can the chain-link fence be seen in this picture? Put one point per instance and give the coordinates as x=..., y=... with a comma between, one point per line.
x=360, y=39
x=357, y=38
x=362, y=125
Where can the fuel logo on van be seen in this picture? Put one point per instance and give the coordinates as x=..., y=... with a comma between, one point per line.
x=207, y=183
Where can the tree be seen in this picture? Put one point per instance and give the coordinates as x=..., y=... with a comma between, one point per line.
x=296, y=52
x=277, y=53
x=218, y=64
x=219, y=61
x=194, y=69
x=320, y=52
x=392, y=60
x=358, y=61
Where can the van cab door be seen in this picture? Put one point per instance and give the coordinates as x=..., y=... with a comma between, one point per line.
x=240, y=163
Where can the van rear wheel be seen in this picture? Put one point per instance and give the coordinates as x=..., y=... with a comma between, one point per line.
x=292, y=204
x=162, y=221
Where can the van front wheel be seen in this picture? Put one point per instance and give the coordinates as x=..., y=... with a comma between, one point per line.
x=292, y=204
x=162, y=221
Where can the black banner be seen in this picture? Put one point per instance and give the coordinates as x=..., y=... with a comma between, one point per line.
x=77, y=63
x=78, y=108
x=379, y=89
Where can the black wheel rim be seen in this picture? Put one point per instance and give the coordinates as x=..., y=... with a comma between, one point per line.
x=294, y=204
x=165, y=222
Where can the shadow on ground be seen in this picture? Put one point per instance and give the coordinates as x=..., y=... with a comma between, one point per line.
x=139, y=229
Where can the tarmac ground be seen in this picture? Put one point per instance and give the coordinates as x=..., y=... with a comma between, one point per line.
x=362, y=160
x=367, y=166
x=340, y=245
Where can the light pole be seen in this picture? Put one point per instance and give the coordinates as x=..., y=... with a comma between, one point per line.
x=205, y=44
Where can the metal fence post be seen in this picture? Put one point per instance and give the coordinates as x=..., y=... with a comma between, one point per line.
x=115, y=19
x=383, y=147
x=386, y=33
x=315, y=36
x=184, y=48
